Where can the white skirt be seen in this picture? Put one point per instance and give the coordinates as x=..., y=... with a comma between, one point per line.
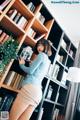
x=31, y=93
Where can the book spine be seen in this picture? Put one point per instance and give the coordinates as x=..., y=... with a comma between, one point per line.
x=5, y=38
x=3, y=103
x=2, y=37
x=13, y=14
x=8, y=103
x=22, y=22
x=9, y=78
x=4, y=4
x=17, y=17
x=29, y=5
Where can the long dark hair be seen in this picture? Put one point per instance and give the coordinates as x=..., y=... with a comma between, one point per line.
x=46, y=44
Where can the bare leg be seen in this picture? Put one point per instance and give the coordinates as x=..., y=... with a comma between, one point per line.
x=19, y=106
x=27, y=113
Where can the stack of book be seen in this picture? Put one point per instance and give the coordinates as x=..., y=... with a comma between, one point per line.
x=14, y=80
x=3, y=36
x=31, y=32
x=41, y=17
x=4, y=4
x=31, y=6
x=6, y=101
x=60, y=58
x=55, y=71
x=49, y=73
x=18, y=18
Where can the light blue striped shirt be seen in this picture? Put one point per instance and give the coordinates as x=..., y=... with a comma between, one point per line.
x=37, y=70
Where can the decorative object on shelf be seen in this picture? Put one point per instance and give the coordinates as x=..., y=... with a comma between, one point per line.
x=55, y=115
x=50, y=90
x=74, y=74
x=7, y=52
x=26, y=53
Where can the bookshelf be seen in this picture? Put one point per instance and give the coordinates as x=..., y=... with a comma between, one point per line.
x=39, y=23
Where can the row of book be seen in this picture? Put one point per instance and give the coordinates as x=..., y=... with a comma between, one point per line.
x=31, y=6
x=53, y=72
x=4, y=4
x=35, y=34
x=41, y=17
x=65, y=46
x=14, y=80
x=3, y=36
x=18, y=18
x=6, y=101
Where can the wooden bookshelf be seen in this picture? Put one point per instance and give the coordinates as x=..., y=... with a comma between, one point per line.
x=49, y=29
x=11, y=26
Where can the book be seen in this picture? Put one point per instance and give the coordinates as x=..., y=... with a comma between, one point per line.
x=63, y=44
x=60, y=58
x=71, y=53
x=4, y=99
x=55, y=71
x=31, y=6
x=9, y=78
x=49, y=73
x=3, y=35
x=5, y=38
x=30, y=32
x=55, y=114
x=22, y=22
x=17, y=17
x=12, y=13
x=64, y=78
x=8, y=103
x=4, y=4
x=42, y=19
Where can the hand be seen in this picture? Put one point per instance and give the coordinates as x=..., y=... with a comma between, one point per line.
x=21, y=61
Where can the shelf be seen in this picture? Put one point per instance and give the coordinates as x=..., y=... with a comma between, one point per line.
x=31, y=41
x=62, y=65
x=71, y=57
x=50, y=101
x=11, y=26
x=59, y=83
x=37, y=25
x=10, y=88
x=64, y=50
x=59, y=104
x=23, y=9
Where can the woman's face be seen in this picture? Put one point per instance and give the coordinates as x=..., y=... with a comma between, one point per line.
x=40, y=48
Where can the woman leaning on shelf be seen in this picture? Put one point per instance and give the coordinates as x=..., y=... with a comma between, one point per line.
x=31, y=92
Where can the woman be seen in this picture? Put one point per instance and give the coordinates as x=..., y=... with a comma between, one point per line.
x=31, y=93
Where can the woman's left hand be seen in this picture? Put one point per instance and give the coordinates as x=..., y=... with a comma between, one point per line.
x=21, y=61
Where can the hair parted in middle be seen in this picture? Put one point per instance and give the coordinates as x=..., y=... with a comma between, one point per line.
x=46, y=44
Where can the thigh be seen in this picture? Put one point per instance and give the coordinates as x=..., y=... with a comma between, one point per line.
x=18, y=108
x=27, y=113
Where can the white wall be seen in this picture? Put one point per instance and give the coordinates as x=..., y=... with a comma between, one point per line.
x=68, y=17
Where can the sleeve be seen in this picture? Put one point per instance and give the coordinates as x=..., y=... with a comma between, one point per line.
x=35, y=64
